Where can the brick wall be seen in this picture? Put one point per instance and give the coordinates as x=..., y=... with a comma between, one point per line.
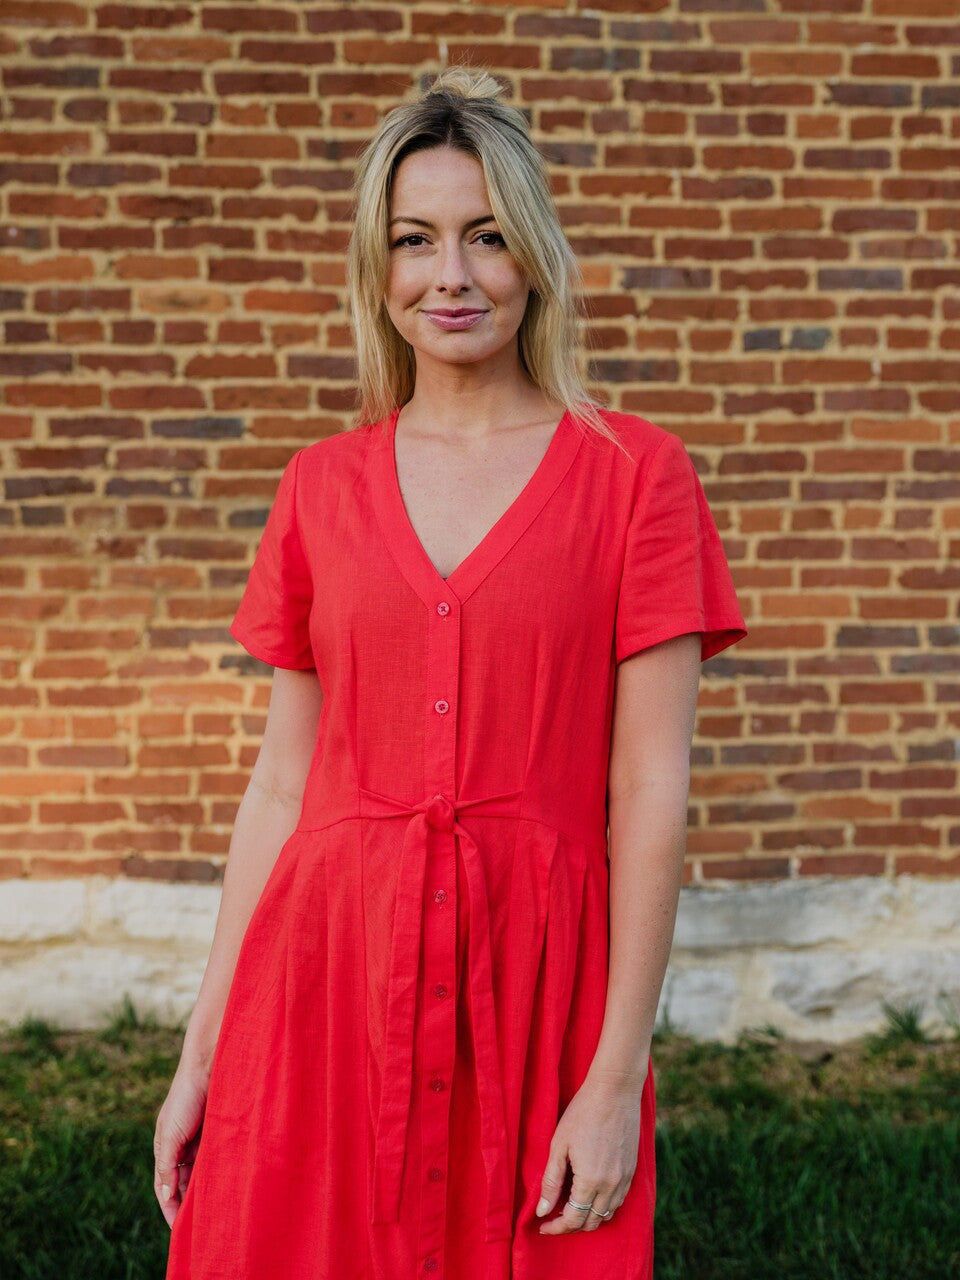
x=765, y=208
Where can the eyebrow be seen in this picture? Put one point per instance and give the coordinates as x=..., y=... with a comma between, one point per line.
x=420, y=222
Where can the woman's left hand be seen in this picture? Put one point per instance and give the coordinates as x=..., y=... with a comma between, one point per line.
x=599, y=1134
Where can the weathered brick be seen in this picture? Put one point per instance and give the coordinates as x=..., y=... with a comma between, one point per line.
x=764, y=208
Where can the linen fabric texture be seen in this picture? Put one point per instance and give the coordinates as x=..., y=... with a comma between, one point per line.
x=421, y=987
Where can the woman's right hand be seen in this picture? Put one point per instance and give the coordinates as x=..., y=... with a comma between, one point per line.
x=177, y=1136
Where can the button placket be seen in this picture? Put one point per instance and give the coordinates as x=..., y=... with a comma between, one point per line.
x=439, y=929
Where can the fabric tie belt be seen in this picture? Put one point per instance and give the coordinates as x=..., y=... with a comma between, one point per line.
x=439, y=813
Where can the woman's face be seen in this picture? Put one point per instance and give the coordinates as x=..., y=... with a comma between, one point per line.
x=439, y=261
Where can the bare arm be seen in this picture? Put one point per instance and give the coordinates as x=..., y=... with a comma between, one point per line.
x=267, y=816
x=649, y=778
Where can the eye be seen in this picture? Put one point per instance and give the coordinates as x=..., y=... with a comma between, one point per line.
x=417, y=235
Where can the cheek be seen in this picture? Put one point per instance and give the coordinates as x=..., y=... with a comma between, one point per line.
x=403, y=281
x=505, y=283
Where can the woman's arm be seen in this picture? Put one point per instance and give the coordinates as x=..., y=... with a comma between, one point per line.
x=267, y=816
x=654, y=714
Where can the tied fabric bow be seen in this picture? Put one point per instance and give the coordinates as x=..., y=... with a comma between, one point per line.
x=439, y=813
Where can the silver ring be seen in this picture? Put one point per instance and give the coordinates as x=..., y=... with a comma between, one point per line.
x=582, y=1207
x=602, y=1215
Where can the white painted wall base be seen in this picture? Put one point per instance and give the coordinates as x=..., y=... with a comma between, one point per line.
x=814, y=957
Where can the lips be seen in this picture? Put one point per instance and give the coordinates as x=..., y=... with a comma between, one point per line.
x=467, y=311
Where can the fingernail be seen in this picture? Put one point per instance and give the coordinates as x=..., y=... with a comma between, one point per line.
x=166, y=1190
x=543, y=1205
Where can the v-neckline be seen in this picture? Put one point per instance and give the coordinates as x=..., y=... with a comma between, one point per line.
x=405, y=544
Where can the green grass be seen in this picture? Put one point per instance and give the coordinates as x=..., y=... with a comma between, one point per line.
x=803, y=1161
x=779, y=1160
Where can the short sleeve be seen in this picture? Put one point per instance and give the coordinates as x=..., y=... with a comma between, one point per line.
x=272, y=621
x=675, y=574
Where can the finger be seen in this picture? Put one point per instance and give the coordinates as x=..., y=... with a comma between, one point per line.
x=166, y=1180
x=166, y=1187
x=582, y=1192
x=609, y=1204
x=552, y=1180
x=572, y=1218
x=595, y=1218
x=166, y=1183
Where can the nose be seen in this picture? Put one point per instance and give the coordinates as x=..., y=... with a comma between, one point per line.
x=452, y=273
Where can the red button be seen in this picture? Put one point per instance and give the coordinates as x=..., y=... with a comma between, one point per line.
x=430, y=1264
x=442, y=706
x=437, y=1085
x=434, y=1174
x=440, y=895
x=443, y=608
x=439, y=990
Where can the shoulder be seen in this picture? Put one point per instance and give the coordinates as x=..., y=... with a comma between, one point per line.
x=341, y=452
x=642, y=440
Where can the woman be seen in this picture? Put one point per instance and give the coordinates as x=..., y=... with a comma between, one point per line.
x=422, y=1043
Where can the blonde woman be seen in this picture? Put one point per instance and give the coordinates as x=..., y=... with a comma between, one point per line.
x=422, y=1043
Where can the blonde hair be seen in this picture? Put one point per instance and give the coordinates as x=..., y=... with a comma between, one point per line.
x=461, y=110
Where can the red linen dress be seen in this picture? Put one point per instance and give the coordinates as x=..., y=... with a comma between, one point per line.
x=421, y=986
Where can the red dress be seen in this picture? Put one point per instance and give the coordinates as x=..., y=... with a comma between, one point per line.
x=421, y=986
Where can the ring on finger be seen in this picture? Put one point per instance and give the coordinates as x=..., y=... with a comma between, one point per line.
x=584, y=1208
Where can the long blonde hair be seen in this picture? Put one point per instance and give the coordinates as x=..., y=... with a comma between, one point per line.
x=461, y=110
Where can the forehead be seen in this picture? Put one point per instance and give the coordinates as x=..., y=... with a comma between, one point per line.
x=440, y=174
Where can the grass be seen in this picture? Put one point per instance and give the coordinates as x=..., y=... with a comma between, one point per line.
x=809, y=1160
x=774, y=1159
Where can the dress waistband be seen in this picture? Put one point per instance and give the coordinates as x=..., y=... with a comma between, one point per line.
x=438, y=812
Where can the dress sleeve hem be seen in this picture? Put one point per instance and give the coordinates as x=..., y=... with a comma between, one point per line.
x=273, y=657
x=718, y=634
